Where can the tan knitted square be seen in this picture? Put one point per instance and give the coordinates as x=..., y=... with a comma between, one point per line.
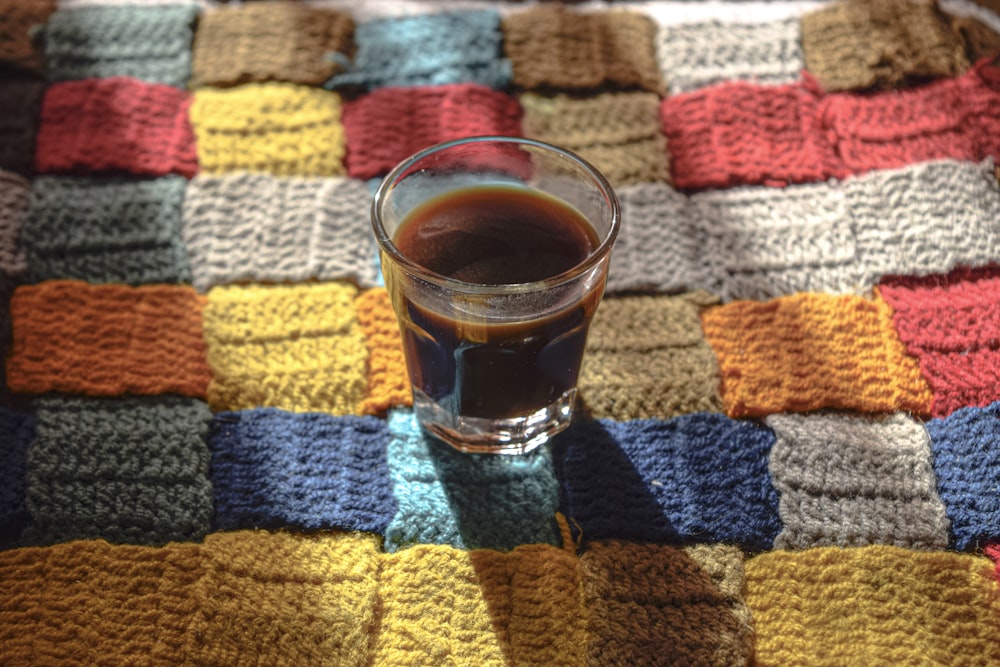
x=554, y=47
x=19, y=21
x=647, y=357
x=981, y=41
x=270, y=41
x=860, y=44
x=620, y=133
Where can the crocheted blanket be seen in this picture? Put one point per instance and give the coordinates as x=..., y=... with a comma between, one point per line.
x=788, y=448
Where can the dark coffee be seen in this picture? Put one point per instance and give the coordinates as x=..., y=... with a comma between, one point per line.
x=496, y=235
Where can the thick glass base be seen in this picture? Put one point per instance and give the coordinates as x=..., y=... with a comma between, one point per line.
x=475, y=435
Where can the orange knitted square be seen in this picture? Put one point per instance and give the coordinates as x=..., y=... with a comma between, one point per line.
x=388, y=382
x=810, y=351
x=105, y=340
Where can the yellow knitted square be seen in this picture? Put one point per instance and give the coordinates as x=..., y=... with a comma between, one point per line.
x=874, y=605
x=282, y=129
x=388, y=382
x=295, y=347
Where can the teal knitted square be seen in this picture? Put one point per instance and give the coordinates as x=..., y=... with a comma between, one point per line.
x=105, y=230
x=151, y=43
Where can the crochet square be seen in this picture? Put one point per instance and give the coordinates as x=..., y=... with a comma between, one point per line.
x=19, y=23
x=427, y=49
x=390, y=124
x=873, y=604
x=106, y=230
x=17, y=431
x=951, y=325
x=853, y=480
x=981, y=40
x=294, y=347
x=127, y=470
x=278, y=128
x=115, y=124
x=257, y=227
x=966, y=450
x=20, y=106
x=15, y=200
x=275, y=469
x=560, y=48
x=699, y=478
x=388, y=381
x=150, y=43
x=646, y=357
x=809, y=351
x=466, y=501
x=105, y=340
x=629, y=589
x=696, y=55
x=270, y=41
x=856, y=44
x=619, y=133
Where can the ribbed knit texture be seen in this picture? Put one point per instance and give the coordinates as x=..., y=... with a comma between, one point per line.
x=132, y=470
x=646, y=356
x=849, y=480
x=17, y=431
x=695, y=55
x=294, y=347
x=809, y=351
x=20, y=103
x=873, y=605
x=19, y=21
x=105, y=340
x=119, y=123
x=966, y=450
x=427, y=49
x=391, y=124
x=388, y=382
x=270, y=41
x=256, y=227
x=619, y=133
x=106, y=230
x=951, y=324
x=467, y=501
x=698, y=478
x=15, y=200
x=278, y=128
x=149, y=43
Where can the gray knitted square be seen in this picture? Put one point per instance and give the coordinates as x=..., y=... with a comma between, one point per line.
x=15, y=198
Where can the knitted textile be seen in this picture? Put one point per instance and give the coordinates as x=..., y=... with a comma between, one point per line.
x=388, y=382
x=697, y=478
x=105, y=340
x=131, y=470
x=20, y=102
x=257, y=227
x=272, y=469
x=555, y=47
x=294, y=347
x=873, y=605
x=861, y=44
x=951, y=324
x=619, y=133
x=695, y=55
x=270, y=41
x=646, y=356
x=428, y=49
x=467, y=501
x=279, y=128
x=106, y=230
x=118, y=123
x=810, y=351
x=981, y=41
x=149, y=43
x=852, y=480
x=17, y=430
x=967, y=467
x=390, y=124
x=15, y=199
x=19, y=22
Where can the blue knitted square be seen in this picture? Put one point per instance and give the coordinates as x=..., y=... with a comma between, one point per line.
x=698, y=478
x=275, y=469
x=17, y=430
x=965, y=447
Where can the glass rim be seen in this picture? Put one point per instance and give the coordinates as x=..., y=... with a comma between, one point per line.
x=585, y=265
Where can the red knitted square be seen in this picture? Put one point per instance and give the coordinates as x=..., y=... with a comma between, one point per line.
x=951, y=324
x=115, y=124
x=390, y=124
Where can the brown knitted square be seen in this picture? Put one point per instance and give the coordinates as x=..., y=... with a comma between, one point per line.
x=647, y=357
x=19, y=19
x=20, y=107
x=270, y=41
x=555, y=47
x=859, y=44
x=620, y=133
x=981, y=41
